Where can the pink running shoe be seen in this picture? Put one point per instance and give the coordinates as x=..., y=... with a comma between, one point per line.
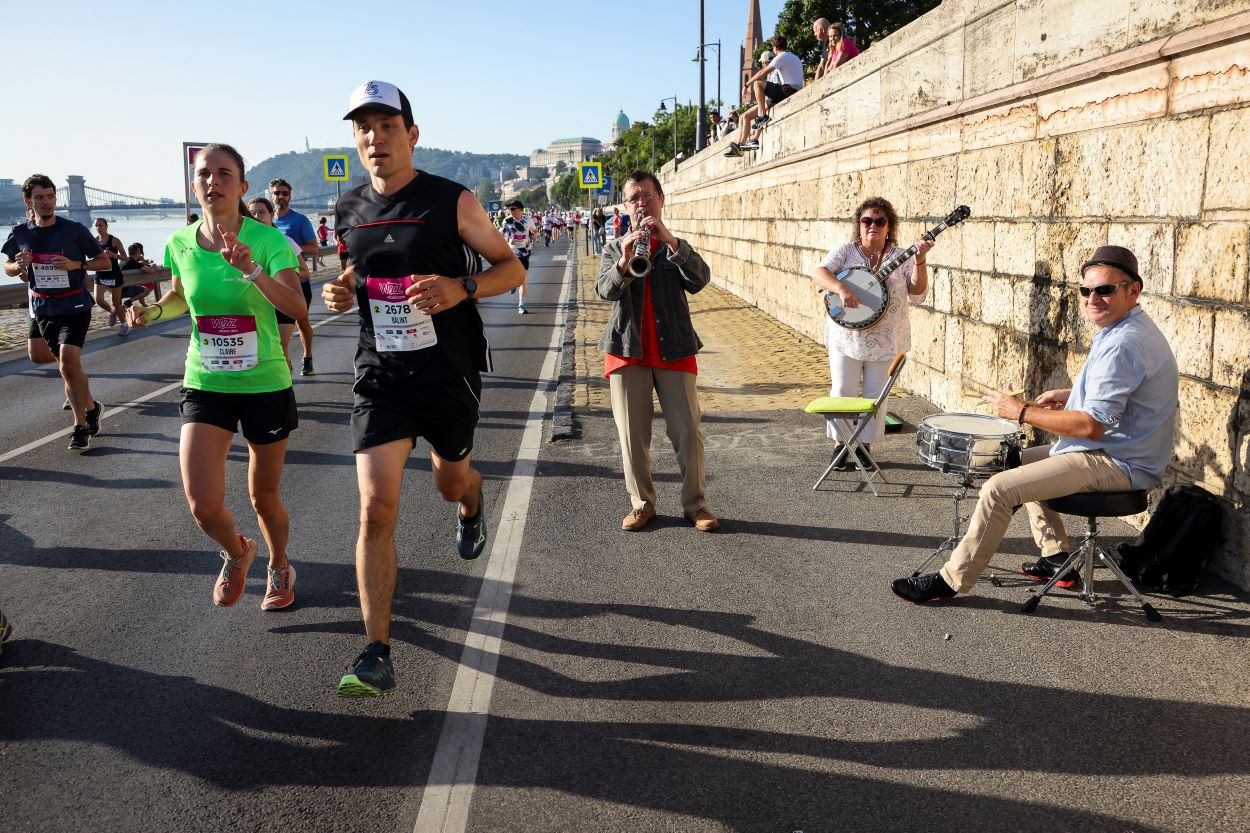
x=281, y=590
x=229, y=586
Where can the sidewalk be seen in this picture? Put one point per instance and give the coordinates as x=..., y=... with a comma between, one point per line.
x=775, y=677
x=749, y=361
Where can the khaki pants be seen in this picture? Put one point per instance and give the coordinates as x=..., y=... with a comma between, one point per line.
x=634, y=412
x=1040, y=477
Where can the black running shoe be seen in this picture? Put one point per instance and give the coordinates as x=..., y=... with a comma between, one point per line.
x=80, y=440
x=306, y=369
x=927, y=588
x=372, y=673
x=760, y=121
x=734, y=150
x=1045, y=568
x=93, y=419
x=66, y=406
x=471, y=532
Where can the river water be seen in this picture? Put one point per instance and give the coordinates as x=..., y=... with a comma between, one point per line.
x=150, y=232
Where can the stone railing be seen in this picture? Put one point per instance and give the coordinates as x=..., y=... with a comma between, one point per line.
x=1064, y=125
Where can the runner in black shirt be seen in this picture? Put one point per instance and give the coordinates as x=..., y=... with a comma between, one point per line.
x=52, y=254
x=414, y=241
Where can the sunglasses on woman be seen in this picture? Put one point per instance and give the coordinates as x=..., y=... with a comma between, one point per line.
x=873, y=221
x=1102, y=290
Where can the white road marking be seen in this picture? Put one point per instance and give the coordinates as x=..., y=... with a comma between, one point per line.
x=111, y=412
x=453, y=774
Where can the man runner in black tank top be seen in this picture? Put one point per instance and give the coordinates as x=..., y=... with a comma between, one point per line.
x=414, y=241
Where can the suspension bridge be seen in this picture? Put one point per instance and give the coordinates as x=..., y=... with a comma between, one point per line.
x=81, y=202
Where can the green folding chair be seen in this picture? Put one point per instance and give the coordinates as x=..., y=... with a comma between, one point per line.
x=862, y=411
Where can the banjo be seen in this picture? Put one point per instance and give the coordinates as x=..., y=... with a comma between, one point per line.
x=870, y=287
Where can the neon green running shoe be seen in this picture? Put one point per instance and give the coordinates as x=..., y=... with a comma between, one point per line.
x=372, y=673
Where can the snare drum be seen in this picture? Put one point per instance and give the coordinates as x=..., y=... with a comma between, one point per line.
x=969, y=444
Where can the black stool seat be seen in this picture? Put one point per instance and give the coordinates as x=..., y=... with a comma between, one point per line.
x=1100, y=504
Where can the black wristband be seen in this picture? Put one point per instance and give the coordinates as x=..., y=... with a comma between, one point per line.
x=1020, y=418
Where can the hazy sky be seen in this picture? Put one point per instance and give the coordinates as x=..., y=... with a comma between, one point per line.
x=111, y=90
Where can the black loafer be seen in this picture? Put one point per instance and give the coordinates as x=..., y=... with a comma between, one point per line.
x=1045, y=568
x=930, y=587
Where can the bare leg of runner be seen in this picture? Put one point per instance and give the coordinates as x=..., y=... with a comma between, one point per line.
x=202, y=454
x=379, y=476
x=77, y=391
x=264, y=476
x=457, y=482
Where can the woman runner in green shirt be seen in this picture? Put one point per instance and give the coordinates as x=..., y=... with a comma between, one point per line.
x=230, y=273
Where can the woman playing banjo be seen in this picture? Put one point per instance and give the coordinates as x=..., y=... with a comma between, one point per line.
x=863, y=356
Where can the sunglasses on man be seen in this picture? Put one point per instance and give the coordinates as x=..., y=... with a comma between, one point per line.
x=1103, y=290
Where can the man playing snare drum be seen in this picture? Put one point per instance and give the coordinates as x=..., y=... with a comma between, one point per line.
x=1115, y=426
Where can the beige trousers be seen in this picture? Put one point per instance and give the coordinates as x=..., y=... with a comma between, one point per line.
x=634, y=411
x=1040, y=477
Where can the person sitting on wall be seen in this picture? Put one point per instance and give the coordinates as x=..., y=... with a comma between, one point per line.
x=842, y=48
x=784, y=73
x=1115, y=427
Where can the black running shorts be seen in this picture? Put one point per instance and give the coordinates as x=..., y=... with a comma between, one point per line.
x=64, y=329
x=777, y=93
x=525, y=260
x=266, y=417
x=34, y=329
x=282, y=317
x=445, y=413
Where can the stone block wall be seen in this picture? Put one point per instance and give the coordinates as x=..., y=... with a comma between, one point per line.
x=1064, y=125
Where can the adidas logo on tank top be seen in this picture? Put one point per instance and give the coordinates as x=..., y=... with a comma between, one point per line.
x=389, y=239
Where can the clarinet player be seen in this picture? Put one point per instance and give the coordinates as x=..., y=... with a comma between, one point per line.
x=650, y=344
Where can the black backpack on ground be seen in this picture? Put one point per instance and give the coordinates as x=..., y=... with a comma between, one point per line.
x=1184, y=531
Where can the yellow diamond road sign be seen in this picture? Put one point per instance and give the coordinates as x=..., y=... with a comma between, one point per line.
x=591, y=174
x=334, y=166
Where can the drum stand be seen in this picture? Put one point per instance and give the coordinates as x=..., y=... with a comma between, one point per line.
x=965, y=483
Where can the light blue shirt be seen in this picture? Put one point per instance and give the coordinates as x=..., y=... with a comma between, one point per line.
x=296, y=226
x=1129, y=384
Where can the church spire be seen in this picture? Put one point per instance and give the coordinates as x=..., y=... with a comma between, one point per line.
x=755, y=33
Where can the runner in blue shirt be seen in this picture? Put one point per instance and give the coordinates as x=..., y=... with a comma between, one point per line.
x=298, y=228
x=52, y=255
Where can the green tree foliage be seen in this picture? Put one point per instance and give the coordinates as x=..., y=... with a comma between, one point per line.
x=566, y=193
x=486, y=190
x=303, y=169
x=649, y=147
x=867, y=21
x=535, y=198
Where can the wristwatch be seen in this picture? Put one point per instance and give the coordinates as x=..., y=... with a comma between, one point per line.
x=470, y=286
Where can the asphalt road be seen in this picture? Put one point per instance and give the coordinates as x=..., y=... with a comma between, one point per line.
x=757, y=679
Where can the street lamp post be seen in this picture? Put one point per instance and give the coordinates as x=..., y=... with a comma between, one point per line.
x=664, y=109
x=700, y=133
x=700, y=56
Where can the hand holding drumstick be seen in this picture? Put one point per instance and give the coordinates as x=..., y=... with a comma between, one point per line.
x=1008, y=404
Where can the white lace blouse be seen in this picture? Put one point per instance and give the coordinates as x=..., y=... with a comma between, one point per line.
x=892, y=332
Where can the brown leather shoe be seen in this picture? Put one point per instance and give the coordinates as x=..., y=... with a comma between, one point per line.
x=703, y=520
x=637, y=519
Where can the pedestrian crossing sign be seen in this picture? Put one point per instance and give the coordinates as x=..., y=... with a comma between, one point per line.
x=591, y=174
x=334, y=167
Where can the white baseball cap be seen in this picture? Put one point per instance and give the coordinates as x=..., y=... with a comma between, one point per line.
x=381, y=96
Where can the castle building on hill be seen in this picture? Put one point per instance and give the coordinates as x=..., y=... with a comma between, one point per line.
x=569, y=151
